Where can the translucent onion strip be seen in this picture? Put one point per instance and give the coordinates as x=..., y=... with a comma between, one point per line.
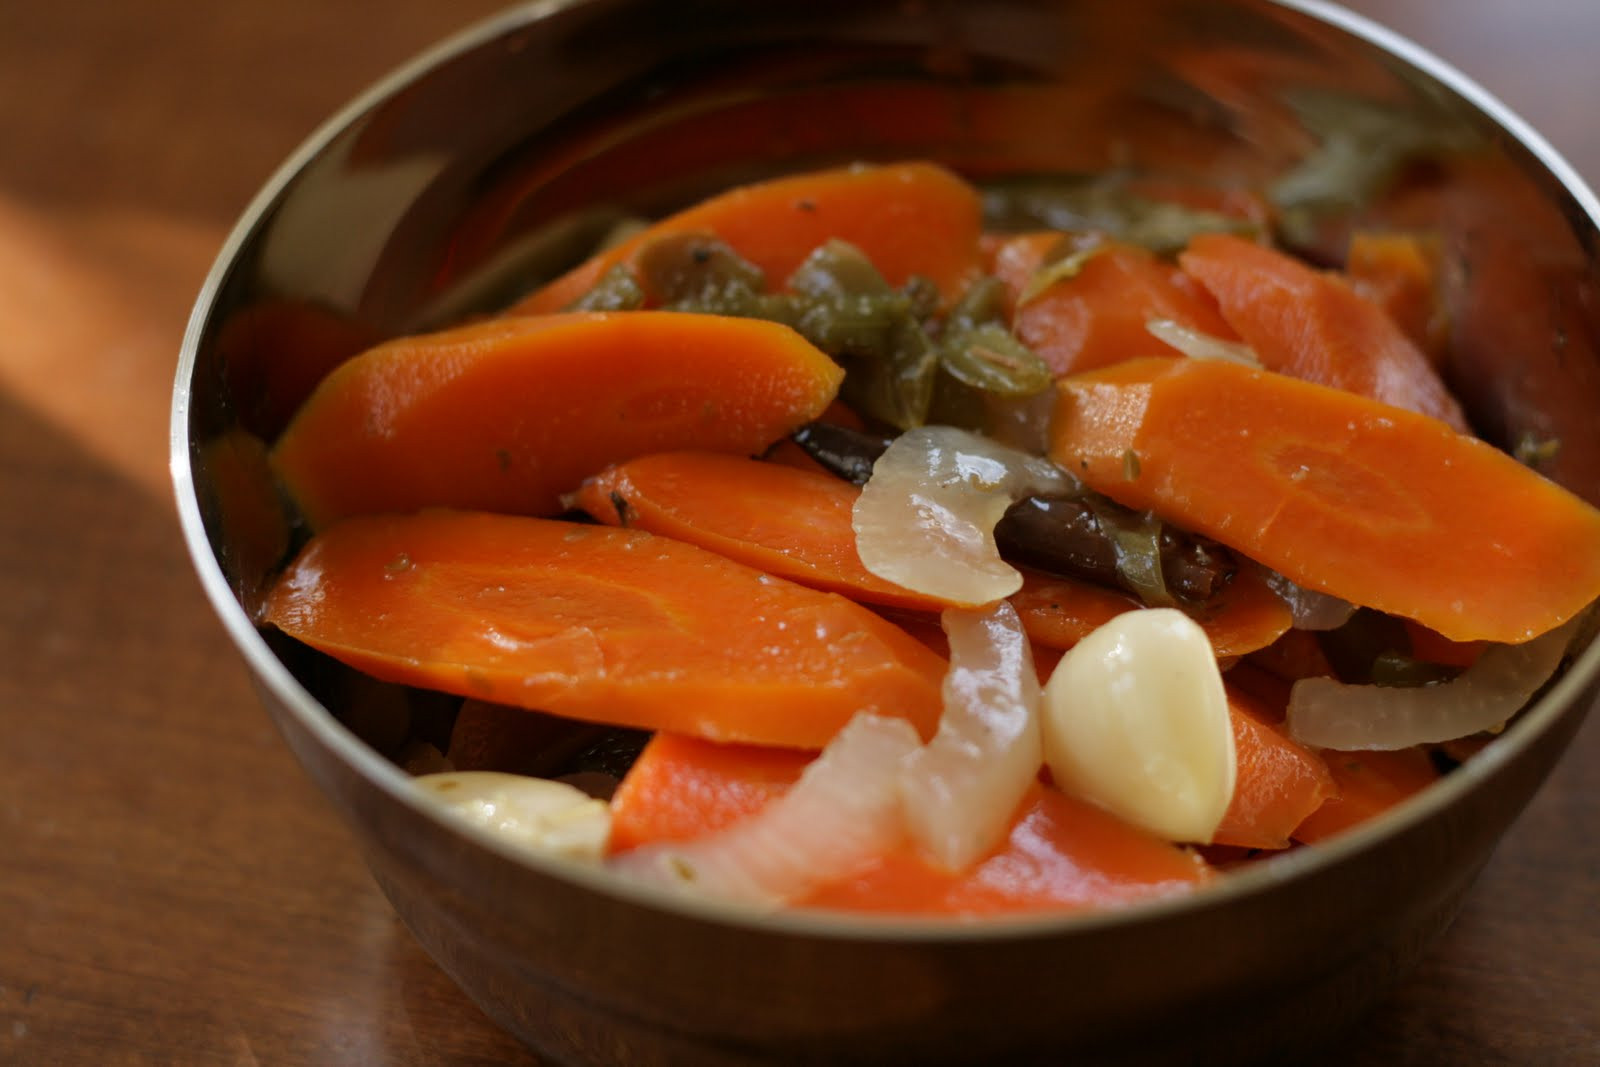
x=1328, y=714
x=961, y=791
x=843, y=812
x=534, y=814
x=1197, y=345
x=1135, y=719
x=925, y=519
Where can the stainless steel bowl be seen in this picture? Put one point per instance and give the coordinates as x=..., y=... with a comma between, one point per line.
x=440, y=189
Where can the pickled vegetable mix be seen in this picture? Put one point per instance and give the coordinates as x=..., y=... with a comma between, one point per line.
x=867, y=541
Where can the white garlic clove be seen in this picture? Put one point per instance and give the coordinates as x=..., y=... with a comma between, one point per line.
x=1136, y=721
x=536, y=814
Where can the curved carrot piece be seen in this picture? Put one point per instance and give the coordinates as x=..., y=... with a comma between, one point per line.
x=1058, y=612
x=1368, y=783
x=1098, y=316
x=1314, y=326
x=1061, y=854
x=785, y=521
x=1279, y=784
x=507, y=414
x=1343, y=494
x=598, y=624
x=906, y=218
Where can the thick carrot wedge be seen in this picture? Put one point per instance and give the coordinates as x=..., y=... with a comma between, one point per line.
x=788, y=522
x=907, y=218
x=1343, y=494
x=1279, y=782
x=599, y=624
x=508, y=414
x=1061, y=854
x=1060, y=612
x=1098, y=316
x=1313, y=325
x=1368, y=784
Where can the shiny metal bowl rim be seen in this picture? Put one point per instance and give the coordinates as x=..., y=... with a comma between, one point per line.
x=395, y=783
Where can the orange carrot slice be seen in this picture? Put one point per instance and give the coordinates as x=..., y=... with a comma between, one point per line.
x=1338, y=492
x=1314, y=326
x=604, y=625
x=1279, y=782
x=906, y=218
x=1098, y=316
x=1061, y=854
x=1058, y=612
x=1368, y=783
x=785, y=521
x=681, y=788
x=508, y=414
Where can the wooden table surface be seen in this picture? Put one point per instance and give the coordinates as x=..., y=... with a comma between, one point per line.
x=172, y=890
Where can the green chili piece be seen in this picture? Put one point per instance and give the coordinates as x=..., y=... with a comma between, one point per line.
x=1136, y=536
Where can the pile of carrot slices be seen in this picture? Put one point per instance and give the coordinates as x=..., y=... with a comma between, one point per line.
x=599, y=515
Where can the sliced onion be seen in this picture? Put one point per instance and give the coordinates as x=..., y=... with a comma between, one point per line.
x=1197, y=345
x=535, y=814
x=1310, y=609
x=961, y=791
x=1135, y=720
x=843, y=812
x=925, y=519
x=1329, y=714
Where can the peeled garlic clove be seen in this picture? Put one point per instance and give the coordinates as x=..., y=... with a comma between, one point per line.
x=1136, y=721
x=925, y=519
x=531, y=813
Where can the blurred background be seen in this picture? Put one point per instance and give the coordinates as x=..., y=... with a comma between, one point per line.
x=171, y=887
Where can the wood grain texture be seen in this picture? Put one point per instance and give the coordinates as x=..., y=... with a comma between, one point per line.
x=172, y=890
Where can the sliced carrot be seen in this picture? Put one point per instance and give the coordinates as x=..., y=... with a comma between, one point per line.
x=1280, y=782
x=1399, y=272
x=1340, y=493
x=681, y=788
x=907, y=218
x=1016, y=258
x=1059, y=612
x=508, y=414
x=1099, y=315
x=598, y=624
x=1369, y=783
x=785, y=521
x=1061, y=853
x=1314, y=326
